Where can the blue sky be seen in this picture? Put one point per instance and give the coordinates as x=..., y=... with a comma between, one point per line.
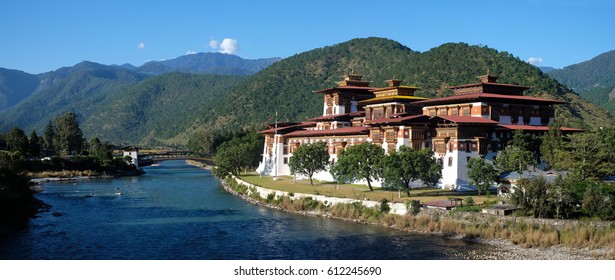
x=40, y=36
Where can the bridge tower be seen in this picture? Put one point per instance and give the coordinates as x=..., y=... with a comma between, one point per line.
x=132, y=152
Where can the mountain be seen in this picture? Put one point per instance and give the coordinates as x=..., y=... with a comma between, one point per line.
x=593, y=79
x=15, y=86
x=121, y=105
x=156, y=110
x=546, y=69
x=208, y=63
x=286, y=86
x=79, y=89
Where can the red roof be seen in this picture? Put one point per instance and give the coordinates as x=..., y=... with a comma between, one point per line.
x=345, y=88
x=329, y=132
x=492, y=84
x=467, y=119
x=538, y=127
x=396, y=119
x=488, y=97
x=295, y=126
x=331, y=117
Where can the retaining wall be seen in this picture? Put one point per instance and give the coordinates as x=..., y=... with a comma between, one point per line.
x=396, y=208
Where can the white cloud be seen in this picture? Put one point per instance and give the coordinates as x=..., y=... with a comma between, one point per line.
x=229, y=46
x=141, y=45
x=534, y=60
x=190, y=52
x=213, y=43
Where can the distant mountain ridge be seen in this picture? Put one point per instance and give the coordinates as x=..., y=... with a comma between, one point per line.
x=119, y=104
x=208, y=63
x=546, y=69
x=593, y=79
x=16, y=85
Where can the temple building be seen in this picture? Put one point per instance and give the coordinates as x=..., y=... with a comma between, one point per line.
x=477, y=120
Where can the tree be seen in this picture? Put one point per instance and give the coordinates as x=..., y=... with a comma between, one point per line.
x=513, y=158
x=308, y=159
x=48, y=136
x=552, y=145
x=359, y=162
x=588, y=155
x=68, y=136
x=100, y=150
x=432, y=168
x=17, y=141
x=522, y=150
x=407, y=165
x=237, y=154
x=562, y=198
x=481, y=173
x=34, y=144
x=537, y=191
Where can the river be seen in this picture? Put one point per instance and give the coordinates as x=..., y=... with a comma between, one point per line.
x=177, y=211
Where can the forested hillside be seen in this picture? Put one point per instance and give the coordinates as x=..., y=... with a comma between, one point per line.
x=593, y=79
x=286, y=86
x=118, y=104
x=79, y=89
x=156, y=110
x=15, y=86
x=207, y=63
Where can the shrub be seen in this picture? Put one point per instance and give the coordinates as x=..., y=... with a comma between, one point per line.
x=384, y=206
x=270, y=197
x=413, y=207
x=469, y=201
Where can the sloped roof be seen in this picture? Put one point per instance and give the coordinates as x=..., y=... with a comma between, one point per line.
x=538, y=128
x=398, y=119
x=466, y=119
x=355, y=130
x=488, y=97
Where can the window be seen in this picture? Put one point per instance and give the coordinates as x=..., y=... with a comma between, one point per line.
x=450, y=161
x=465, y=111
x=285, y=160
x=468, y=147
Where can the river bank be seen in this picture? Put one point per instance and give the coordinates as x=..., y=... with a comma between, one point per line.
x=473, y=227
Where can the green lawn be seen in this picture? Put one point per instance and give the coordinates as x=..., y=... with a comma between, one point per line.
x=286, y=183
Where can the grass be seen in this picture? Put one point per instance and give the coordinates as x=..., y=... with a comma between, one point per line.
x=527, y=234
x=353, y=191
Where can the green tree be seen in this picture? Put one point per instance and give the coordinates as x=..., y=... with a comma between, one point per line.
x=101, y=151
x=362, y=161
x=407, y=165
x=537, y=191
x=432, y=168
x=562, y=198
x=513, y=158
x=481, y=173
x=588, y=155
x=34, y=144
x=522, y=150
x=68, y=136
x=48, y=136
x=237, y=154
x=552, y=145
x=17, y=141
x=308, y=159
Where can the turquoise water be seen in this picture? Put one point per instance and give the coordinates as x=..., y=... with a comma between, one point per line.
x=177, y=211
